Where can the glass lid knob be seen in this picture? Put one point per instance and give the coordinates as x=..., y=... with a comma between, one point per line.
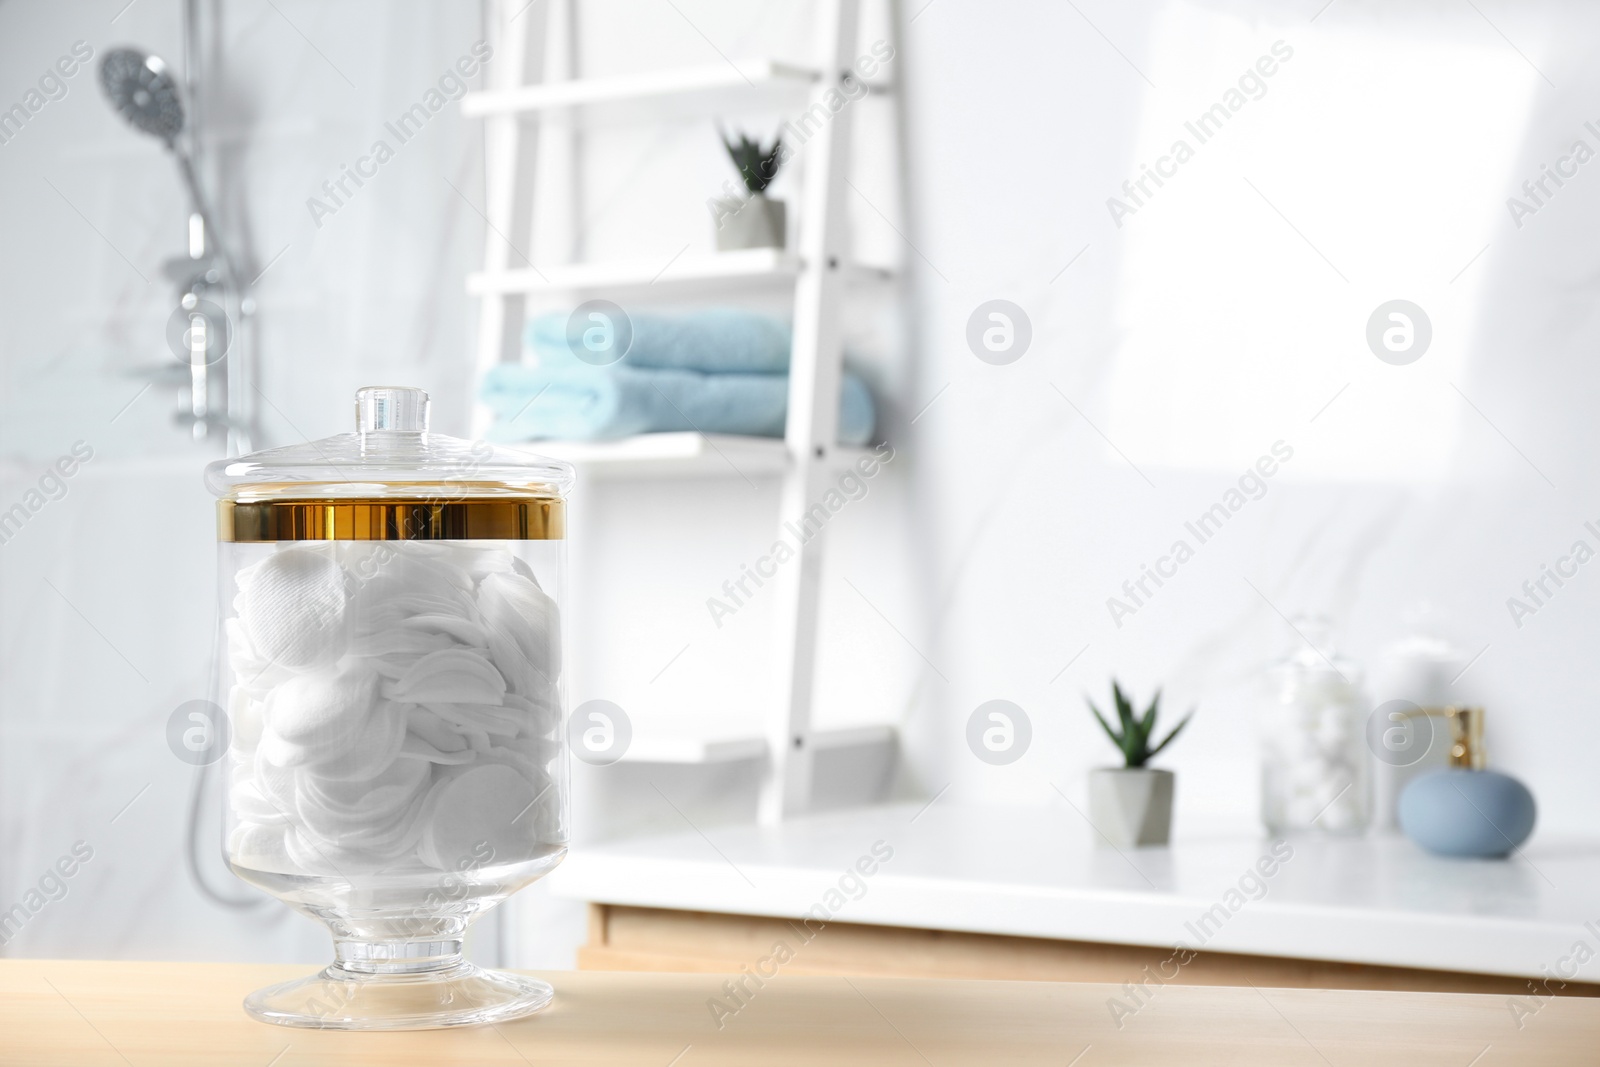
x=391, y=407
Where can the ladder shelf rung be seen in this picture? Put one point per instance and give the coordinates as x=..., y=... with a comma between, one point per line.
x=710, y=89
x=710, y=271
x=684, y=454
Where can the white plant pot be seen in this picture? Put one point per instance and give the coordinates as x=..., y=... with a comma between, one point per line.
x=752, y=222
x=1131, y=807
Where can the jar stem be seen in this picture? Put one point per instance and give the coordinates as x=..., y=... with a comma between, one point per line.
x=397, y=957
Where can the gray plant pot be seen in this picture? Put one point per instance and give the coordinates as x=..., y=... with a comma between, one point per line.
x=753, y=222
x=1131, y=807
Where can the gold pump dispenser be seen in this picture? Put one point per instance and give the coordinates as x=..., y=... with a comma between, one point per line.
x=1466, y=738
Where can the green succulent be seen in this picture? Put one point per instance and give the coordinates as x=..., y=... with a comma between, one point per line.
x=1134, y=738
x=756, y=165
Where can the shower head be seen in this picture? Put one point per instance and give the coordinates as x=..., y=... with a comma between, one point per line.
x=142, y=90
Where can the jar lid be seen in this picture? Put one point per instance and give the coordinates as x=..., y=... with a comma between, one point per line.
x=391, y=479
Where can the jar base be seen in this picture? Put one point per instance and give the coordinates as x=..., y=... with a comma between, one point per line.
x=339, y=999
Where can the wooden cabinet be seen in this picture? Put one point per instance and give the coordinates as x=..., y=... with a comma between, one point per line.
x=656, y=939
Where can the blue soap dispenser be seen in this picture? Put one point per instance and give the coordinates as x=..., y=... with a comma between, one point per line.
x=1466, y=810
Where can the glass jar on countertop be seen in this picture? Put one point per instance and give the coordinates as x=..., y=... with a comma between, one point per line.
x=1315, y=765
x=390, y=662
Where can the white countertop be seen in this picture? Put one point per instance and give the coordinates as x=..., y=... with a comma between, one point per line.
x=1041, y=872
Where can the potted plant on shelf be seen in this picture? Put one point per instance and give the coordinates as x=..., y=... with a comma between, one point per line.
x=1131, y=805
x=753, y=221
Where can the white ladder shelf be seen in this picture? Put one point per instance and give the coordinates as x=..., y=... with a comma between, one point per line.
x=533, y=78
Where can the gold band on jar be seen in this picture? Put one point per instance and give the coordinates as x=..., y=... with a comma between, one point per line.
x=526, y=519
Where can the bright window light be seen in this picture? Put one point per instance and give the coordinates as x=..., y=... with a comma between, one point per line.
x=1373, y=164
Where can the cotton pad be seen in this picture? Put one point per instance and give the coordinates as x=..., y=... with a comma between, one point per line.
x=347, y=811
x=261, y=847
x=317, y=716
x=455, y=675
x=426, y=725
x=375, y=747
x=484, y=804
x=515, y=607
x=292, y=606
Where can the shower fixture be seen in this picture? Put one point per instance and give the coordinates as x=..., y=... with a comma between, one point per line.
x=209, y=282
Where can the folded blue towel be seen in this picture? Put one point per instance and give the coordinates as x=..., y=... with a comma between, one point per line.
x=590, y=403
x=716, y=340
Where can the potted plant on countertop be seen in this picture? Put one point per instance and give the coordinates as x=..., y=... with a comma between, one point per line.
x=754, y=221
x=1131, y=805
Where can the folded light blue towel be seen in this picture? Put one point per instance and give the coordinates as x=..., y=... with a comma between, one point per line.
x=715, y=340
x=590, y=403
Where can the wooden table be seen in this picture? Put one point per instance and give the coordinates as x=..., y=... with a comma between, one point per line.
x=87, y=1014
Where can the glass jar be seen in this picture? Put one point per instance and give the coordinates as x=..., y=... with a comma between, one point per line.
x=390, y=662
x=1314, y=770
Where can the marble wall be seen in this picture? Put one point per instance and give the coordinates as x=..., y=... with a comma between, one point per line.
x=1173, y=345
